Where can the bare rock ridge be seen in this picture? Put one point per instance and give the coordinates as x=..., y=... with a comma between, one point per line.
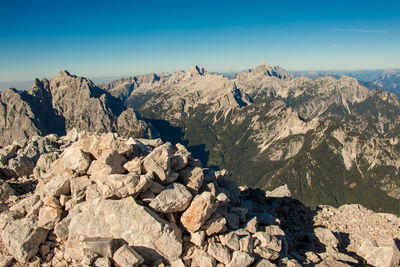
x=63, y=103
x=105, y=200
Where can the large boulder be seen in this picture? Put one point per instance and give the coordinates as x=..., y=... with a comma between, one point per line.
x=140, y=227
x=23, y=238
x=201, y=208
x=175, y=197
x=385, y=254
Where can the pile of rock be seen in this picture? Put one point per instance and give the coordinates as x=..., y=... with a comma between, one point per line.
x=102, y=200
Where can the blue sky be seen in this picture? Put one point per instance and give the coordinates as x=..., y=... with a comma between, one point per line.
x=113, y=38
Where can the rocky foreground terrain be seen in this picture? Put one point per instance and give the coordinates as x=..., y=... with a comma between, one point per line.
x=103, y=200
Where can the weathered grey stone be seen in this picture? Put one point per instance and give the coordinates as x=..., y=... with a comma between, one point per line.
x=264, y=263
x=246, y=244
x=326, y=237
x=252, y=225
x=59, y=185
x=192, y=178
x=126, y=256
x=155, y=187
x=159, y=163
x=215, y=224
x=110, y=163
x=332, y=263
x=178, y=162
x=231, y=240
x=75, y=159
x=282, y=191
x=174, y=198
x=240, y=259
x=5, y=191
x=385, y=254
x=21, y=165
x=89, y=257
x=78, y=187
x=269, y=241
x=197, y=238
x=233, y=221
x=49, y=217
x=23, y=238
x=103, y=246
x=134, y=166
x=103, y=262
x=177, y=263
x=219, y=252
x=139, y=226
x=199, y=211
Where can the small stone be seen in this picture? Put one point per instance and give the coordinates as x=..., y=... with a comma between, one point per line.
x=215, y=224
x=126, y=256
x=240, y=259
x=75, y=159
x=326, y=237
x=44, y=250
x=233, y=221
x=174, y=198
x=49, y=217
x=252, y=225
x=89, y=257
x=159, y=163
x=197, y=238
x=102, y=262
x=178, y=162
x=177, y=263
x=280, y=192
x=134, y=166
x=199, y=211
x=192, y=178
x=264, y=263
x=155, y=187
x=64, y=199
x=219, y=252
x=78, y=187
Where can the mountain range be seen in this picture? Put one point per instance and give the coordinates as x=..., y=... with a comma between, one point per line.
x=332, y=140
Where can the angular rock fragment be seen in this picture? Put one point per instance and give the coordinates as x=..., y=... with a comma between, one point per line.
x=199, y=211
x=219, y=252
x=192, y=178
x=23, y=238
x=240, y=259
x=126, y=256
x=159, y=163
x=174, y=198
x=384, y=255
x=140, y=227
x=215, y=224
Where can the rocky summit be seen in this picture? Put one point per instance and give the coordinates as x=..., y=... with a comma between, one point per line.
x=104, y=200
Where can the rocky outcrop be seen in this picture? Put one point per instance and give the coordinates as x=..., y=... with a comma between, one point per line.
x=64, y=103
x=87, y=208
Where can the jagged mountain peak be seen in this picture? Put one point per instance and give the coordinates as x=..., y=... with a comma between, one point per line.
x=196, y=70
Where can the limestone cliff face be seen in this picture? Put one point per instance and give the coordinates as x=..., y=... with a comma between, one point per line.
x=63, y=103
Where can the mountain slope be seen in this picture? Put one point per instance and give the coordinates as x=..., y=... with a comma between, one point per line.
x=65, y=102
x=331, y=140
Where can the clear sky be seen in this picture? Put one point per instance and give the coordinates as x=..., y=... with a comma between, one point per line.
x=112, y=38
